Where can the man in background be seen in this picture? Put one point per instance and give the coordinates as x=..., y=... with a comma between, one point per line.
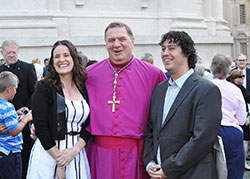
x=148, y=57
x=45, y=68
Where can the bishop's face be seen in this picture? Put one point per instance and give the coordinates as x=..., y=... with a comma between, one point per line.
x=119, y=45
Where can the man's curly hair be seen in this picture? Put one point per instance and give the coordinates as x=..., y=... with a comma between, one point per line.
x=183, y=40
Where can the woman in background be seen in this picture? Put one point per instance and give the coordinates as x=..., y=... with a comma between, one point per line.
x=38, y=67
x=237, y=77
x=233, y=115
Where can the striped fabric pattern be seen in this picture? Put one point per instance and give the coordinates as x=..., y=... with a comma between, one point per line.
x=8, y=116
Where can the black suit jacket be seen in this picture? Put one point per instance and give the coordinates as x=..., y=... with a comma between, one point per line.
x=245, y=93
x=27, y=79
x=248, y=79
x=190, y=129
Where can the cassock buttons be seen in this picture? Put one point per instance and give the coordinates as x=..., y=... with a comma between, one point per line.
x=116, y=116
x=118, y=92
x=114, y=133
x=115, y=125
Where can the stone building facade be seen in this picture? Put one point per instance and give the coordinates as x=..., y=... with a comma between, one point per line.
x=37, y=24
x=238, y=19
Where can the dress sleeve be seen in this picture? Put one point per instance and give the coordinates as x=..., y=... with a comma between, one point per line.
x=41, y=102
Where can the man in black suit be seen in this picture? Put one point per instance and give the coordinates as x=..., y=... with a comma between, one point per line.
x=241, y=64
x=27, y=79
x=184, y=118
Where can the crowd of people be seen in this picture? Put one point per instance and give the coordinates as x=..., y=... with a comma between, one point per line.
x=122, y=117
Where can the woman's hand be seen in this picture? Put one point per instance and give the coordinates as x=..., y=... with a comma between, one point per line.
x=67, y=155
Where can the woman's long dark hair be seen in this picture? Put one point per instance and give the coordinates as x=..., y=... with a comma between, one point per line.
x=79, y=71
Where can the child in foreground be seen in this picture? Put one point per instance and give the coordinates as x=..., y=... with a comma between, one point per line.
x=11, y=138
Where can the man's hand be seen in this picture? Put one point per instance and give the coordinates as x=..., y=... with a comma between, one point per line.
x=3, y=129
x=155, y=171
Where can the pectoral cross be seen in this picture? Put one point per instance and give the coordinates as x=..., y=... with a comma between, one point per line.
x=115, y=82
x=113, y=103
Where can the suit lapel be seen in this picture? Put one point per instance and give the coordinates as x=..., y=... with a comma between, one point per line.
x=185, y=90
x=161, y=99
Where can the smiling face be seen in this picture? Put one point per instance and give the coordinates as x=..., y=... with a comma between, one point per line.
x=119, y=45
x=173, y=59
x=62, y=60
x=241, y=62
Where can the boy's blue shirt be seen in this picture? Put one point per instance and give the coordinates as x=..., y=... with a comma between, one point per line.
x=9, y=117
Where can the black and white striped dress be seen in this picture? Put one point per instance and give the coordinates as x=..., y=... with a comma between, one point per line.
x=42, y=165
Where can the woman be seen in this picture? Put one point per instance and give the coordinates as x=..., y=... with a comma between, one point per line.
x=60, y=114
x=38, y=67
x=233, y=115
x=237, y=77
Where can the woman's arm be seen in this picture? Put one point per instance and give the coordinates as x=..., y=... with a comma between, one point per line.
x=54, y=152
x=42, y=102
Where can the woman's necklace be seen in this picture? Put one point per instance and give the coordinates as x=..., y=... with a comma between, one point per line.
x=69, y=91
x=114, y=101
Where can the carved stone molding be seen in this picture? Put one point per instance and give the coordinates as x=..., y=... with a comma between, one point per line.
x=79, y=3
x=144, y=4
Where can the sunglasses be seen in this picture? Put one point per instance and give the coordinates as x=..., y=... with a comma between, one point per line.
x=242, y=76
